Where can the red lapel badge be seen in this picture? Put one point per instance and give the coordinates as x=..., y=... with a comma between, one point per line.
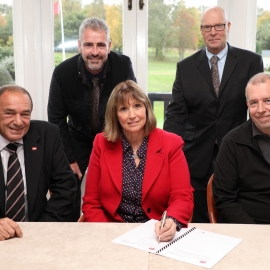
x=34, y=148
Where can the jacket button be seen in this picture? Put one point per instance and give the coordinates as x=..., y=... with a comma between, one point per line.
x=79, y=127
x=215, y=102
x=148, y=210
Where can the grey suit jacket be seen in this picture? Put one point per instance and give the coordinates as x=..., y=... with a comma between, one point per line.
x=195, y=112
x=46, y=168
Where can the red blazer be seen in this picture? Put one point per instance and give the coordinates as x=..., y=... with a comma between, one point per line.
x=166, y=181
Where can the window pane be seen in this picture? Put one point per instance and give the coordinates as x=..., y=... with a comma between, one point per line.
x=74, y=12
x=7, y=70
x=174, y=33
x=263, y=32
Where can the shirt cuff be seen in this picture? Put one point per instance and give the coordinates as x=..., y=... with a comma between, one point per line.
x=178, y=224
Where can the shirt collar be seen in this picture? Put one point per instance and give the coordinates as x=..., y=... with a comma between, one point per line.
x=4, y=142
x=257, y=132
x=221, y=55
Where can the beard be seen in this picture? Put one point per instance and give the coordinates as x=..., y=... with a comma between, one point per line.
x=95, y=66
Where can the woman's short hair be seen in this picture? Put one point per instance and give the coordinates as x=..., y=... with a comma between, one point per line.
x=119, y=96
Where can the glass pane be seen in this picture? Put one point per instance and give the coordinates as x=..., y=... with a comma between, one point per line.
x=263, y=32
x=73, y=13
x=7, y=70
x=174, y=33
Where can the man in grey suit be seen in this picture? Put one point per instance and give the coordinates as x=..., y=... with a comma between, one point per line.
x=202, y=114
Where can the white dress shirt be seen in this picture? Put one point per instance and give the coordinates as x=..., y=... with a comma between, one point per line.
x=5, y=156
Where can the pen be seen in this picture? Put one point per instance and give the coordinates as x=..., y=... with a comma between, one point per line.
x=164, y=215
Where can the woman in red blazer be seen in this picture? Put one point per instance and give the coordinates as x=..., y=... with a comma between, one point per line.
x=136, y=171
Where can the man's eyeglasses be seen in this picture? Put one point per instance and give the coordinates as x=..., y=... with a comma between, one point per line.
x=218, y=27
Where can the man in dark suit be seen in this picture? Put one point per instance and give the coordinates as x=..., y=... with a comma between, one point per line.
x=203, y=114
x=80, y=88
x=42, y=166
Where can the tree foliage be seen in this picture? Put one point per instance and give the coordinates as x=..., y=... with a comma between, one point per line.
x=159, y=27
x=186, y=28
x=263, y=31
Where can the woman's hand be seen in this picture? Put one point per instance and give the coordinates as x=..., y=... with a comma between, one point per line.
x=167, y=232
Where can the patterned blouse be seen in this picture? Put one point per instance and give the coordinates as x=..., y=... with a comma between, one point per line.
x=130, y=208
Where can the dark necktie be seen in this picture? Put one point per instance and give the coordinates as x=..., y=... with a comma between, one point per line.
x=214, y=72
x=15, y=202
x=95, y=122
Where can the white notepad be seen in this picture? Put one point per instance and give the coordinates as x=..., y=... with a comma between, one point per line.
x=192, y=245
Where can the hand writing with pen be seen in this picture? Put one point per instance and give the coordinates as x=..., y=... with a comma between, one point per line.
x=165, y=229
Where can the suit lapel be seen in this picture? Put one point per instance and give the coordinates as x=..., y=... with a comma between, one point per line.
x=204, y=68
x=33, y=159
x=113, y=159
x=230, y=64
x=154, y=162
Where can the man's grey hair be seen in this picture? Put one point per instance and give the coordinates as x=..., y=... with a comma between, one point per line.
x=258, y=79
x=15, y=89
x=94, y=24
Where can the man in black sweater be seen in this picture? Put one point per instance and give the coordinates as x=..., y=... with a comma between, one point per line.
x=79, y=90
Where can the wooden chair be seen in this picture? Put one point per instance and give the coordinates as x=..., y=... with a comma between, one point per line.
x=213, y=214
x=81, y=219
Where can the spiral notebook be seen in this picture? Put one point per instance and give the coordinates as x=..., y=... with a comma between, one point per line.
x=190, y=245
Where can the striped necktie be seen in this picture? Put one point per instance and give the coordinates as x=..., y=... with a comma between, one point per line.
x=15, y=201
x=96, y=122
x=214, y=72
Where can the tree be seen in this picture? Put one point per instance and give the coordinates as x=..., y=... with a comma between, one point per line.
x=186, y=28
x=96, y=9
x=159, y=27
x=6, y=25
x=73, y=15
x=263, y=32
x=114, y=21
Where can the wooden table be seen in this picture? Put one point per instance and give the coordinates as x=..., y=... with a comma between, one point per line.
x=88, y=246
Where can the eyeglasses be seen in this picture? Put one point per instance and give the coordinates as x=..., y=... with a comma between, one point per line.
x=218, y=27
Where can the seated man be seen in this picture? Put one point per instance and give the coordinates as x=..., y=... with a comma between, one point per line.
x=241, y=184
x=33, y=162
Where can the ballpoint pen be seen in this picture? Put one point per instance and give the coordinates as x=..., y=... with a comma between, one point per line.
x=164, y=215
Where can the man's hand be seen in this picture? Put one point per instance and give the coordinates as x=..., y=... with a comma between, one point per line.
x=167, y=232
x=75, y=168
x=9, y=229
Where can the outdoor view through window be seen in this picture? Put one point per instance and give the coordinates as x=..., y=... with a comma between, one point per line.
x=173, y=34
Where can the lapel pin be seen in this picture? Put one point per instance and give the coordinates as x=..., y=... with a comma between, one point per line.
x=34, y=148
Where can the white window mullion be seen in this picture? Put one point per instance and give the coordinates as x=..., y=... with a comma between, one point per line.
x=33, y=50
x=135, y=39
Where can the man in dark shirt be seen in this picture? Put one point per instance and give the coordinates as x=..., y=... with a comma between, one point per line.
x=241, y=183
x=80, y=88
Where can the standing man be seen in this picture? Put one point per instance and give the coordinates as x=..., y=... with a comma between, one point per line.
x=32, y=162
x=241, y=184
x=208, y=100
x=80, y=88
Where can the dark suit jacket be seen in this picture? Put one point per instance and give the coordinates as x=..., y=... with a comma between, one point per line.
x=166, y=182
x=46, y=168
x=196, y=114
x=241, y=184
